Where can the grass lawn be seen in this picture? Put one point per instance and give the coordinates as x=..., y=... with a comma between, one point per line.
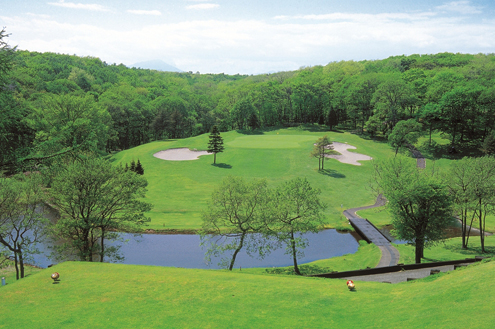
x=378, y=216
x=7, y=271
x=451, y=249
x=368, y=255
x=180, y=190
x=99, y=295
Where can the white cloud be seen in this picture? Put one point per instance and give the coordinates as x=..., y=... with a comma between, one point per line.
x=359, y=17
x=256, y=46
x=38, y=15
x=93, y=7
x=203, y=6
x=463, y=7
x=145, y=12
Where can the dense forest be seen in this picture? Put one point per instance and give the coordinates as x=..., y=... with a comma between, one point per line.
x=52, y=104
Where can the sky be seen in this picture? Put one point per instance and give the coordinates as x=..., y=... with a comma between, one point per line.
x=248, y=37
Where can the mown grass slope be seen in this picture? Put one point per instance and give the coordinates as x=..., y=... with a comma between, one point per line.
x=180, y=190
x=99, y=295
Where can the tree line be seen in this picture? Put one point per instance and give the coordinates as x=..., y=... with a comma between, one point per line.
x=56, y=104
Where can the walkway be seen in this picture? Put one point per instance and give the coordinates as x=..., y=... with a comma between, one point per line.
x=390, y=255
x=401, y=272
x=403, y=276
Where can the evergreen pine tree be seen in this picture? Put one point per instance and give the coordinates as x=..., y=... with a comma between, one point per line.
x=332, y=118
x=133, y=166
x=215, y=145
x=139, y=168
x=253, y=121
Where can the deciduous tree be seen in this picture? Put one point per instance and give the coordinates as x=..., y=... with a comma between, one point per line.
x=418, y=199
x=94, y=198
x=236, y=209
x=321, y=148
x=294, y=208
x=482, y=192
x=22, y=221
x=405, y=132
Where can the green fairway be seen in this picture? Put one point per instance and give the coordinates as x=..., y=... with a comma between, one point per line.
x=179, y=190
x=99, y=295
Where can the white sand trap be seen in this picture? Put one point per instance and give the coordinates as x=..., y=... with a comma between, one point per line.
x=182, y=154
x=346, y=156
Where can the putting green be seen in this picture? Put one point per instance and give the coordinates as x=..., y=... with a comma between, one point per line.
x=271, y=141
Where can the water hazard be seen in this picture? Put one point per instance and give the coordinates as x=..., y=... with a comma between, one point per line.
x=185, y=251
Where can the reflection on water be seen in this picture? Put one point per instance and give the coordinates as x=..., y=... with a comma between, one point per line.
x=450, y=232
x=185, y=251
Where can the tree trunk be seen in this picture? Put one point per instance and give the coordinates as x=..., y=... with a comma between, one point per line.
x=86, y=255
x=21, y=264
x=431, y=126
x=16, y=266
x=294, y=254
x=464, y=227
x=481, y=219
x=239, y=247
x=419, y=251
x=102, y=254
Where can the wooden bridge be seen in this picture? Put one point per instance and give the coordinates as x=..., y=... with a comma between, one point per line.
x=390, y=255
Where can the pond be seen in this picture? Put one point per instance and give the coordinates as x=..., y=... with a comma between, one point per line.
x=184, y=251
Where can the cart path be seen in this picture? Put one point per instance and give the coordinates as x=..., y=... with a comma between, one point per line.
x=420, y=159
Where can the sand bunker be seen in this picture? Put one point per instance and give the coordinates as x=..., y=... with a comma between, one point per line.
x=182, y=154
x=346, y=156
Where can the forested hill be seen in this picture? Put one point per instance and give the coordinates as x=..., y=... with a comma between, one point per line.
x=52, y=103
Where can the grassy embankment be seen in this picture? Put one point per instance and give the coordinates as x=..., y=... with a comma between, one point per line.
x=99, y=295
x=180, y=190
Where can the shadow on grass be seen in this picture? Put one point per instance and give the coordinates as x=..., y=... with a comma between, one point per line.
x=222, y=165
x=258, y=131
x=331, y=173
x=368, y=137
x=315, y=128
x=437, y=151
x=490, y=251
x=251, y=132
